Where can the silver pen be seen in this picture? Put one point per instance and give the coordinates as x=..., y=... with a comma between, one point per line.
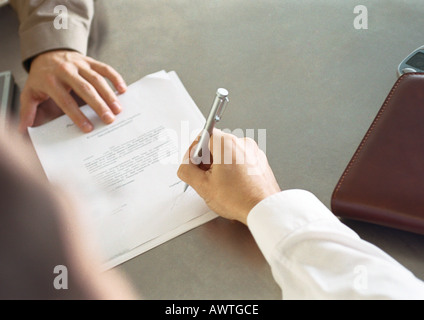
x=217, y=110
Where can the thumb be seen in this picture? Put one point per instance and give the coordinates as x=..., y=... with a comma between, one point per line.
x=189, y=172
x=28, y=111
x=192, y=175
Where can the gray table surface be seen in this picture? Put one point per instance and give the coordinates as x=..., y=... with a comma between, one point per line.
x=298, y=69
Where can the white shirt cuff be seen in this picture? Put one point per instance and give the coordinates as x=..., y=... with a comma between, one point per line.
x=276, y=217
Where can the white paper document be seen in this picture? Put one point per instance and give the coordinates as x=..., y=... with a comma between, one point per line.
x=126, y=172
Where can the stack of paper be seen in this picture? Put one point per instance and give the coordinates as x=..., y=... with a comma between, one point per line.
x=126, y=172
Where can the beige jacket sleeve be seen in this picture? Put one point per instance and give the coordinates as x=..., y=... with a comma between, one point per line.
x=40, y=231
x=45, y=27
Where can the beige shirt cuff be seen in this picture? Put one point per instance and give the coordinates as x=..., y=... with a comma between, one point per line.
x=44, y=37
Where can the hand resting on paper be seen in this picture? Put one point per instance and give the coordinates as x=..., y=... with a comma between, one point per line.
x=56, y=75
x=231, y=187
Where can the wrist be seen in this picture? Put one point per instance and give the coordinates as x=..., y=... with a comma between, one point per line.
x=28, y=62
x=255, y=202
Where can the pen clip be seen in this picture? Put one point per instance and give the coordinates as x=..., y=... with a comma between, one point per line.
x=221, y=108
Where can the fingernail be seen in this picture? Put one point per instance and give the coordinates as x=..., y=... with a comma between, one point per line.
x=108, y=117
x=116, y=107
x=87, y=127
x=122, y=87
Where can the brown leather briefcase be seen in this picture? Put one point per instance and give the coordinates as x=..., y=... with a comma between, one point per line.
x=384, y=181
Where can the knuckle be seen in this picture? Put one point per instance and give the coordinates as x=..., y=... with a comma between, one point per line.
x=262, y=154
x=250, y=142
x=65, y=67
x=108, y=69
x=233, y=139
x=98, y=79
x=85, y=87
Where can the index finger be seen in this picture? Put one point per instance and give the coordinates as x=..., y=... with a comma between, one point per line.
x=109, y=73
x=190, y=172
x=89, y=94
x=67, y=103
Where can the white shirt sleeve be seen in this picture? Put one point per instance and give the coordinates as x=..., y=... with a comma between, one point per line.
x=314, y=256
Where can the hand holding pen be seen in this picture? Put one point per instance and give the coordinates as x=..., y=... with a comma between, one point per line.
x=218, y=107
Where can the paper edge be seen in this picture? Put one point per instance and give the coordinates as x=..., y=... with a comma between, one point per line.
x=183, y=228
x=147, y=246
